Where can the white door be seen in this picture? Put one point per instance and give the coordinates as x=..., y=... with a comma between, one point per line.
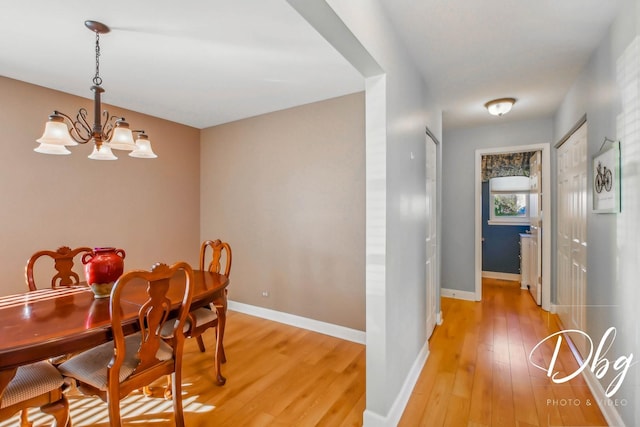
x=431, y=235
x=535, y=266
x=572, y=232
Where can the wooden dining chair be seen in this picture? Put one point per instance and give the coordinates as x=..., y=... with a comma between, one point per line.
x=202, y=319
x=115, y=369
x=36, y=385
x=63, y=276
x=63, y=263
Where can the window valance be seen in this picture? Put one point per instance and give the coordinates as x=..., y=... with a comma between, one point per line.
x=508, y=164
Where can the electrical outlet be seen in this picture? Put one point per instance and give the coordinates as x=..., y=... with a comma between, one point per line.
x=265, y=294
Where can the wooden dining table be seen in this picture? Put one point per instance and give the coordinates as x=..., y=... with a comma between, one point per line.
x=46, y=323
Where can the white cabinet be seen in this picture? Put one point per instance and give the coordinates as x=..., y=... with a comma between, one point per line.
x=525, y=260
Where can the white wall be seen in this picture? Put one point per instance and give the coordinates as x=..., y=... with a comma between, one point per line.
x=607, y=91
x=458, y=188
x=397, y=111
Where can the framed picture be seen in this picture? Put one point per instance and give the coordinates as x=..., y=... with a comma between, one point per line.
x=606, y=180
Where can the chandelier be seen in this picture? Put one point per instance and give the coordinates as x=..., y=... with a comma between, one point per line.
x=62, y=131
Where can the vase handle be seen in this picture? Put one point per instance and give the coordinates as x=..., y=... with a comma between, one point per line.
x=121, y=253
x=87, y=257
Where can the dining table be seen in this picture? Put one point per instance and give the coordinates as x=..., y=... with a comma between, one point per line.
x=46, y=323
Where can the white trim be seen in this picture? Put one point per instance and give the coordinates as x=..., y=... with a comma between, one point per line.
x=502, y=276
x=609, y=412
x=439, y=318
x=546, y=215
x=337, y=331
x=454, y=293
x=373, y=419
x=510, y=221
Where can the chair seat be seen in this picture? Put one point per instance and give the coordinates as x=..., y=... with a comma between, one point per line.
x=31, y=381
x=90, y=367
x=203, y=315
x=200, y=315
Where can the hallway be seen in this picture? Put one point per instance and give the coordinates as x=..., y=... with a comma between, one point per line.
x=478, y=373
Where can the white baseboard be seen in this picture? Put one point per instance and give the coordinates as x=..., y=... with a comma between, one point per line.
x=454, y=293
x=501, y=276
x=439, y=318
x=337, y=331
x=609, y=412
x=373, y=419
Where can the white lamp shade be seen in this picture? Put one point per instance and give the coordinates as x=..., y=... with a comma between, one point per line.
x=57, y=149
x=143, y=149
x=56, y=133
x=122, y=139
x=103, y=153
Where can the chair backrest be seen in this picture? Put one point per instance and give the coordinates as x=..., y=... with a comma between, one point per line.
x=220, y=251
x=63, y=263
x=151, y=317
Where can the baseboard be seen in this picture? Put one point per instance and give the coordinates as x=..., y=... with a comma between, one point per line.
x=337, y=331
x=609, y=412
x=439, y=318
x=373, y=419
x=501, y=276
x=454, y=293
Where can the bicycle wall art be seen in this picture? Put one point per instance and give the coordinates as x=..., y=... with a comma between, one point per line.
x=606, y=179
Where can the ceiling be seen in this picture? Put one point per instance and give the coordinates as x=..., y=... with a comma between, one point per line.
x=203, y=63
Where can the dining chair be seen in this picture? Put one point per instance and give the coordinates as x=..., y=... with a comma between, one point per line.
x=204, y=318
x=113, y=370
x=201, y=319
x=63, y=263
x=36, y=385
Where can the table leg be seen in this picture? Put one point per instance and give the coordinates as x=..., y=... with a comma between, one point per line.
x=220, y=304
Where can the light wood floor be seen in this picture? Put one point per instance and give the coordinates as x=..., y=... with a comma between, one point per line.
x=277, y=375
x=478, y=373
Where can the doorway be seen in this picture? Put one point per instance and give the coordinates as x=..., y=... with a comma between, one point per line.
x=431, y=272
x=545, y=216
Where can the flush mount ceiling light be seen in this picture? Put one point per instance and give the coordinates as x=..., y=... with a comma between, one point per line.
x=62, y=131
x=500, y=106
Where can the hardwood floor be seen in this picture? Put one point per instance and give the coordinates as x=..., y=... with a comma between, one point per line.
x=478, y=373
x=277, y=375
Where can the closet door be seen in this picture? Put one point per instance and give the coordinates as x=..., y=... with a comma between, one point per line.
x=572, y=232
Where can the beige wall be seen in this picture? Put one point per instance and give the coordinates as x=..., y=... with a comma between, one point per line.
x=286, y=189
x=150, y=208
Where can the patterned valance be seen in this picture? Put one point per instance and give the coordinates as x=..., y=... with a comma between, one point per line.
x=510, y=164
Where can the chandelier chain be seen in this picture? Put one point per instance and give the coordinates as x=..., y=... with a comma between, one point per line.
x=97, y=80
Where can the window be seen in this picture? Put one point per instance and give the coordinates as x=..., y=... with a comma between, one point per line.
x=509, y=200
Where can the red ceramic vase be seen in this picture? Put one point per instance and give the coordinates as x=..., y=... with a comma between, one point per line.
x=103, y=265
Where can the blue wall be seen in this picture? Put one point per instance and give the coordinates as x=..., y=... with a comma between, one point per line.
x=501, y=246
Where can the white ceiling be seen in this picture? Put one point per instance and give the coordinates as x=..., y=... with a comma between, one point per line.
x=203, y=63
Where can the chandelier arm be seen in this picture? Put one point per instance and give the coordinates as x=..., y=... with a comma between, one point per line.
x=81, y=130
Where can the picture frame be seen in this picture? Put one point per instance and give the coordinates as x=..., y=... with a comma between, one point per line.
x=606, y=180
